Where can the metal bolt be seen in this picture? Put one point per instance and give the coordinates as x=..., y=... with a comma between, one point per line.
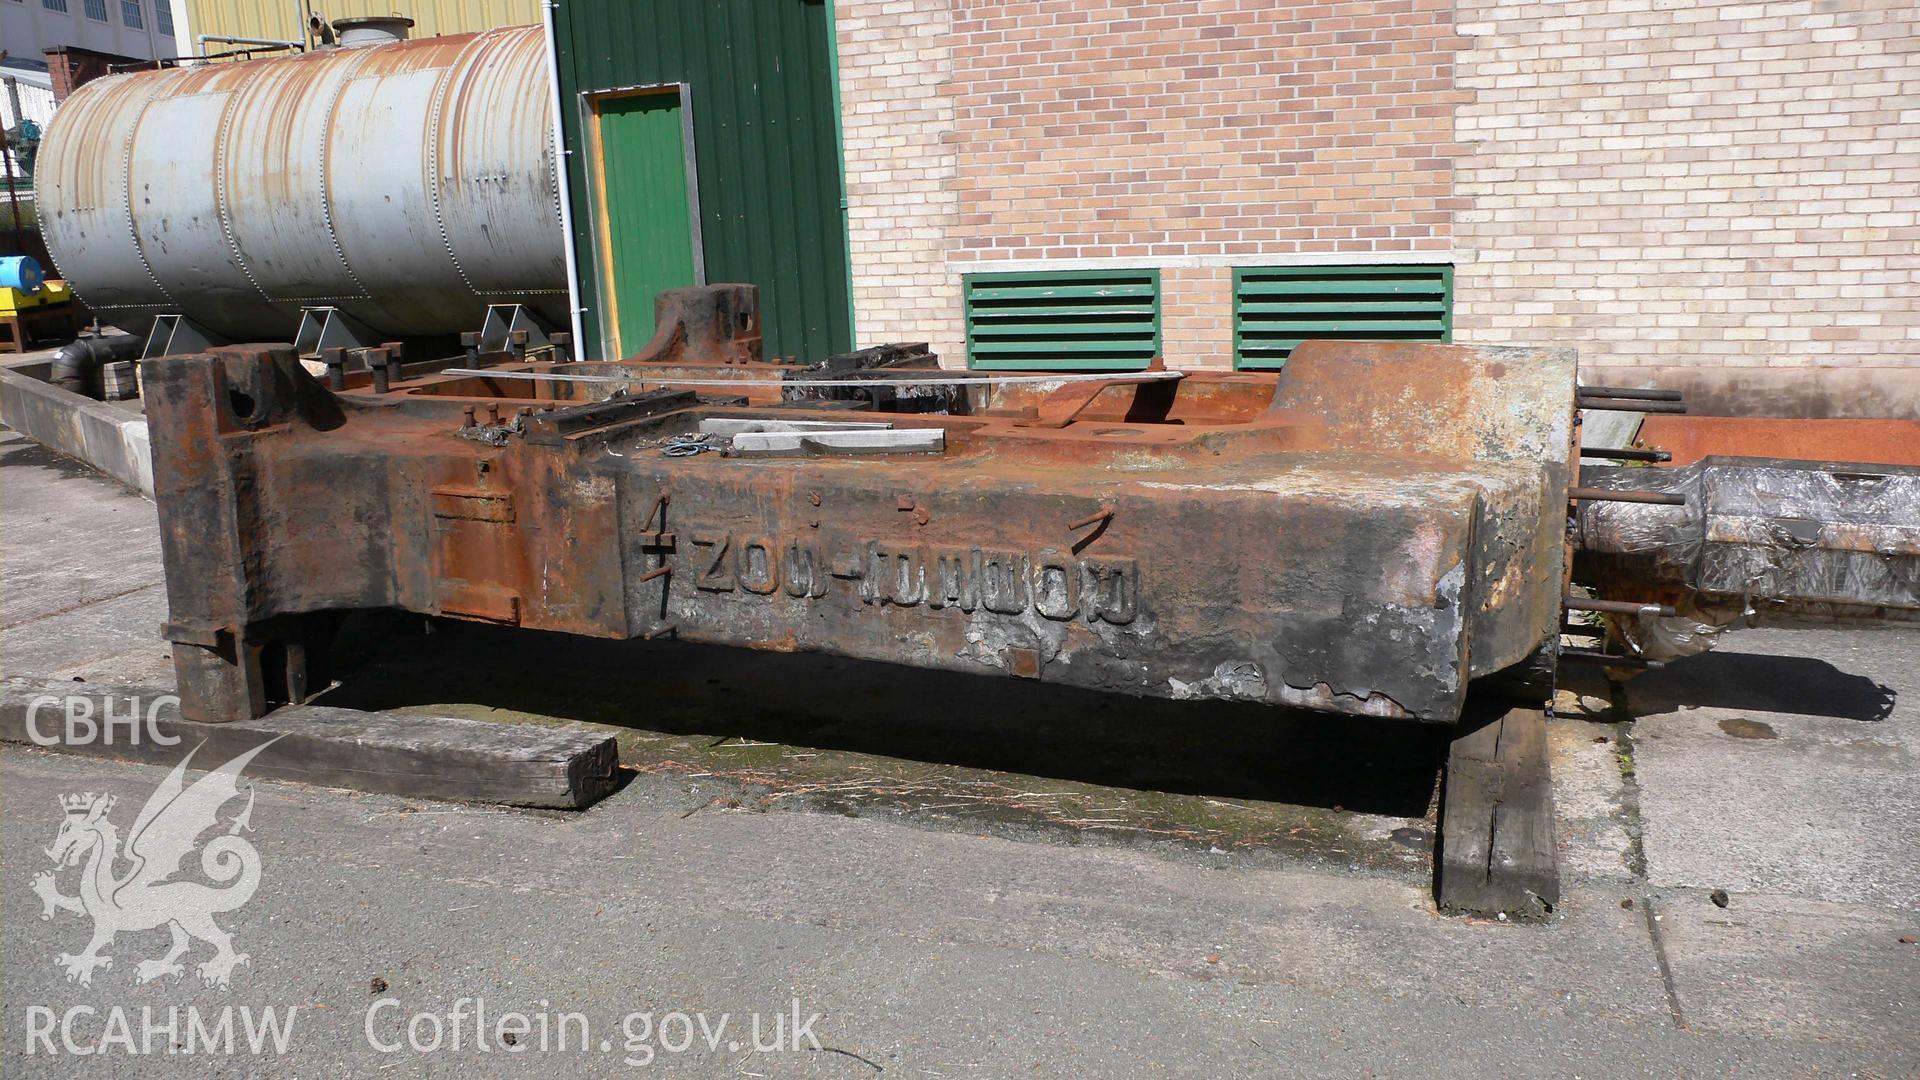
x=377, y=362
x=336, y=360
x=395, y=350
x=466, y=417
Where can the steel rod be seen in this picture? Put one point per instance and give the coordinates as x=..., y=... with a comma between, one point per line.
x=953, y=380
x=1657, y=498
x=1630, y=392
x=1095, y=518
x=1625, y=454
x=1608, y=404
x=1588, y=656
x=1616, y=607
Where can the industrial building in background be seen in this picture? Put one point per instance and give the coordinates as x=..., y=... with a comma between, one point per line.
x=1709, y=184
x=79, y=39
x=290, y=20
x=1719, y=186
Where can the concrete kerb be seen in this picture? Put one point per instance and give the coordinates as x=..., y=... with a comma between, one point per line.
x=109, y=439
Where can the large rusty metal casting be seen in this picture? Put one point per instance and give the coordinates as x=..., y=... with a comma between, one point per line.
x=1369, y=532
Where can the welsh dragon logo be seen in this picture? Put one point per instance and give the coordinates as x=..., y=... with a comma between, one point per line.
x=143, y=896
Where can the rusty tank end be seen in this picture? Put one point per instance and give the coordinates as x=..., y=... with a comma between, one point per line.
x=1369, y=532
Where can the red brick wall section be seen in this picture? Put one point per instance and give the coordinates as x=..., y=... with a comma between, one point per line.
x=69, y=67
x=1202, y=127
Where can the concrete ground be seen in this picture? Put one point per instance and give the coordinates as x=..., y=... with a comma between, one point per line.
x=971, y=878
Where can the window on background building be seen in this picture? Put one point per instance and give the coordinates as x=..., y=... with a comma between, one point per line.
x=55, y=5
x=130, y=14
x=97, y=10
x=1277, y=307
x=1104, y=320
x=163, y=17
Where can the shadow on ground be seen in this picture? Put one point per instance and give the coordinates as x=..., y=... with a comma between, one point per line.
x=1760, y=683
x=842, y=730
x=26, y=452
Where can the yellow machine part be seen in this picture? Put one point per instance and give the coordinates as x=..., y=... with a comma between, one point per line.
x=52, y=291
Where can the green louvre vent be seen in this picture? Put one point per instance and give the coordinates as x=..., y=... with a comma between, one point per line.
x=1107, y=320
x=1276, y=308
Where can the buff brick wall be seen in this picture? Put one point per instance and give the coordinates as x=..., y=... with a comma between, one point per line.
x=987, y=135
x=1699, y=183
x=1196, y=316
x=1648, y=181
x=896, y=57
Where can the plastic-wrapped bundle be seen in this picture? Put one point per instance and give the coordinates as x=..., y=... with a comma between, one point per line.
x=1757, y=538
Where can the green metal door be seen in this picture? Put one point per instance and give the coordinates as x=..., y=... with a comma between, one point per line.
x=646, y=220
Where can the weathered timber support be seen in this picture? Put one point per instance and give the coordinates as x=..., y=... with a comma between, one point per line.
x=1497, y=852
x=433, y=757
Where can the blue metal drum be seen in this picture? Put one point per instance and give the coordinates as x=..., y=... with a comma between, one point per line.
x=21, y=272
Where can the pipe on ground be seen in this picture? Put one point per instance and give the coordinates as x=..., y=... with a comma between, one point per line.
x=76, y=366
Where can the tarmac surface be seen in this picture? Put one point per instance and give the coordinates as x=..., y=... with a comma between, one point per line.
x=972, y=878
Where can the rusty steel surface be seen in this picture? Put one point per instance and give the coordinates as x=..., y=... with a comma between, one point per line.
x=1876, y=442
x=1365, y=533
x=409, y=184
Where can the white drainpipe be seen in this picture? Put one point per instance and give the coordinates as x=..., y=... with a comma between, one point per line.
x=560, y=153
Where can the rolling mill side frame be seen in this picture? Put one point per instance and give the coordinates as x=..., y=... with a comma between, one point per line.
x=1367, y=533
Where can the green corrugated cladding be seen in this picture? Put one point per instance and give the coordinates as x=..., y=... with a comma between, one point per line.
x=766, y=148
x=643, y=143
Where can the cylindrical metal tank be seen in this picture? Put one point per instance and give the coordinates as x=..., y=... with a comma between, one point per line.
x=409, y=184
